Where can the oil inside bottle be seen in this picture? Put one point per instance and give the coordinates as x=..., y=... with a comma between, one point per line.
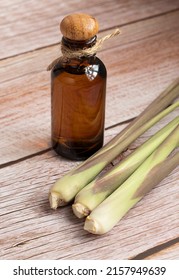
x=78, y=107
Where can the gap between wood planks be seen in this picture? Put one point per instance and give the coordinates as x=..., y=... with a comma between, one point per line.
x=50, y=148
x=156, y=249
x=102, y=30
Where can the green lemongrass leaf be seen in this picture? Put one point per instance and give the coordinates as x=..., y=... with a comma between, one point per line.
x=153, y=170
x=96, y=191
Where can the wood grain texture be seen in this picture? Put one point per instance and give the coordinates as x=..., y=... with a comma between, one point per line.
x=28, y=25
x=140, y=65
x=29, y=229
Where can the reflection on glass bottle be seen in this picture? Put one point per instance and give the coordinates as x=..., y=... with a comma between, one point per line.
x=92, y=71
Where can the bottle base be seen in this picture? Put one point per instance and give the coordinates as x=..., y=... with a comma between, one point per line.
x=76, y=150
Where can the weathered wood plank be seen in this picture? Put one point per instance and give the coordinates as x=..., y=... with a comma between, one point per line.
x=28, y=25
x=141, y=63
x=29, y=229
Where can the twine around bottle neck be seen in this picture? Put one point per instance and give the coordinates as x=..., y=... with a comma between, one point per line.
x=68, y=53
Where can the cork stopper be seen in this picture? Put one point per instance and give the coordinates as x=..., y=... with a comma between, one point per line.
x=79, y=27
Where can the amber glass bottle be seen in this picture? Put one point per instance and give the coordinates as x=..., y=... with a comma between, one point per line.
x=78, y=93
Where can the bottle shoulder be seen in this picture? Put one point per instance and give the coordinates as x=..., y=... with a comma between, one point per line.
x=101, y=63
x=90, y=67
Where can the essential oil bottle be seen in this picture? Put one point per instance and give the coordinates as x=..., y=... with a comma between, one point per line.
x=78, y=91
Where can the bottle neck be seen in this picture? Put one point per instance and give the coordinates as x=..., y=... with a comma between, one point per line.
x=79, y=45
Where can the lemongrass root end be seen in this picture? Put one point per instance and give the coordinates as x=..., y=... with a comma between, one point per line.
x=80, y=210
x=55, y=200
x=92, y=226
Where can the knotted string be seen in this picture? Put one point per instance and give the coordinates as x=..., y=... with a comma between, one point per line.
x=67, y=53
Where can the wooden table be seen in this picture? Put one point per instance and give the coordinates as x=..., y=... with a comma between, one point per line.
x=141, y=63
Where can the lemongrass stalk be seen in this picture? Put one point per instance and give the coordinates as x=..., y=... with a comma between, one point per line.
x=98, y=190
x=65, y=189
x=153, y=170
